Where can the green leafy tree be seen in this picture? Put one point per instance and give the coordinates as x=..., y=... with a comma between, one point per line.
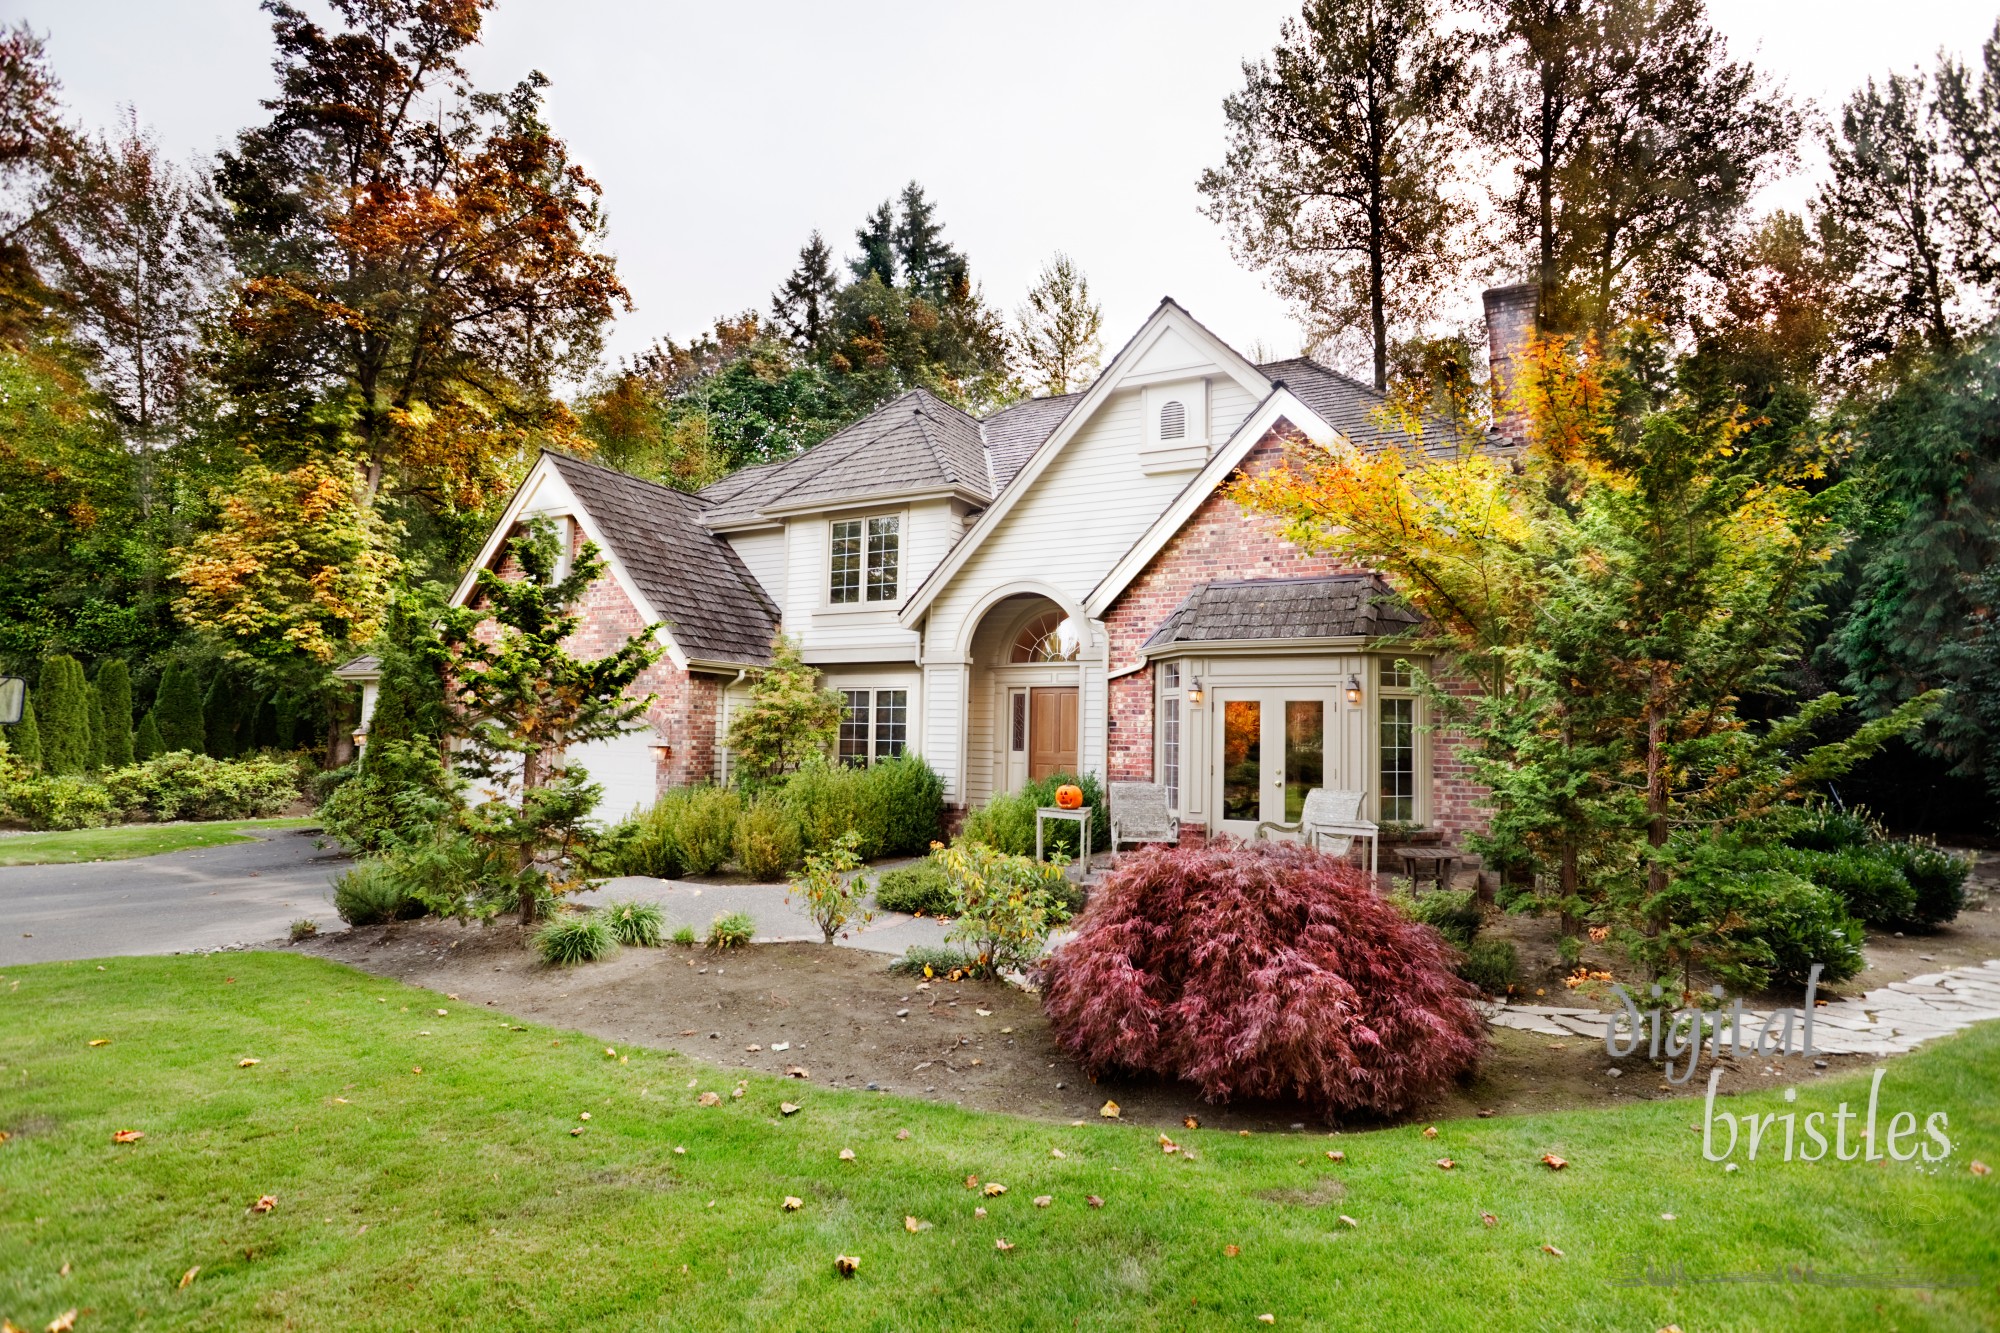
x=1341, y=170
x=177, y=711
x=789, y=717
x=114, y=688
x=520, y=700
x=146, y=742
x=65, y=716
x=25, y=736
x=1059, y=330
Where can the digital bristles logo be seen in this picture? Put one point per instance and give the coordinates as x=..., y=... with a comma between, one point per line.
x=1680, y=1037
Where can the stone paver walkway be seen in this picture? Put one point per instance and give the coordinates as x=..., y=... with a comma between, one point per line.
x=1893, y=1020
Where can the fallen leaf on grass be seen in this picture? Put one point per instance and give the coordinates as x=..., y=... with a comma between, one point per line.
x=1044, y=1200
x=994, y=1189
x=1231, y=1250
x=265, y=1203
x=1668, y=1217
x=711, y=1099
x=680, y=1152
x=793, y=1203
x=914, y=1225
x=100, y=1041
x=443, y=1012
x=1190, y=1122
x=1003, y=1245
x=1981, y=1169
x=1553, y=1162
x=128, y=1135
x=1109, y=1110
x=247, y=1061
x=796, y=1071
x=1489, y=1219
x=972, y=1182
x=845, y=1264
x=577, y=1131
x=416, y=1069
x=787, y=1108
x=1335, y=1155
x=1348, y=1221
x=1430, y=1131
x=187, y=1278
x=979, y=1212
x=1445, y=1164
x=1057, y=1152
x=584, y=1115
x=847, y=1154
x=1267, y=1319
x=1167, y=1145
x=1093, y=1201
x=1550, y=1249
x=608, y=1050
x=63, y=1322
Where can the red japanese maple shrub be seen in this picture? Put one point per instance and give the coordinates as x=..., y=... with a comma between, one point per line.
x=1263, y=971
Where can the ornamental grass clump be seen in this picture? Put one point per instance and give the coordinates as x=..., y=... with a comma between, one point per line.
x=640, y=925
x=575, y=937
x=1266, y=971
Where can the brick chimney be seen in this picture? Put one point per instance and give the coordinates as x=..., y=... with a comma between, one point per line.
x=1510, y=323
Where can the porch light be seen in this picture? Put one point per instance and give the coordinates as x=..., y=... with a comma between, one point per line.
x=361, y=739
x=1194, y=692
x=662, y=751
x=1354, y=689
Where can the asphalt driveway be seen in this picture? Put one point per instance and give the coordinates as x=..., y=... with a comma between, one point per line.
x=206, y=898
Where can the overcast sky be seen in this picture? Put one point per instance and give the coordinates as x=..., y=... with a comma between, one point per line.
x=724, y=132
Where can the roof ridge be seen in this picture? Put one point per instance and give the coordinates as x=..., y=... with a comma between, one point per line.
x=930, y=439
x=623, y=475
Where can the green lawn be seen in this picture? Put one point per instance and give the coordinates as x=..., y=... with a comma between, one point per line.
x=123, y=841
x=458, y=1198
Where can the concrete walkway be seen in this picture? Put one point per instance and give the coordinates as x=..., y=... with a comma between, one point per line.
x=178, y=902
x=1894, y=1020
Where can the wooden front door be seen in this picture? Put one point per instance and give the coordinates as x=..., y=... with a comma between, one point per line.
x=1051, y=731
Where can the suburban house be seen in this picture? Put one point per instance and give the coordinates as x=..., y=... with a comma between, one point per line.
x=1060, y=586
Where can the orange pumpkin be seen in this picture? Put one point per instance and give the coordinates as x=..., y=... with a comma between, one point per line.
x=1069, y=797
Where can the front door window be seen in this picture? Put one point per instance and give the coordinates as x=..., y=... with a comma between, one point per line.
x=1272, y=751
x=1242, y=759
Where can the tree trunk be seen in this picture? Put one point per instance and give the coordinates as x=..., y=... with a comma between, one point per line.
x=531, y=778
x=1656, y=781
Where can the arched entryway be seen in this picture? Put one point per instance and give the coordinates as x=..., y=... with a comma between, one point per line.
x=1026, y=721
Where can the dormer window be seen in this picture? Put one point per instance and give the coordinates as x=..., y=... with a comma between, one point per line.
x=1173, y=420
x=866, y=556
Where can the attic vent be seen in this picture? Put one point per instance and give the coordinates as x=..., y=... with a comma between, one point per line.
x=1173, y=421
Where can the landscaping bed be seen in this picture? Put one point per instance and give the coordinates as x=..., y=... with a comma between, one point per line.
x=838, y=1010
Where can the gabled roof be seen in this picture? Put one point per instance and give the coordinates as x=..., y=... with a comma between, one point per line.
x=1014, y=433
x=915, y=443
x=1348, y=405
x=1339, y=606
x=691, y=578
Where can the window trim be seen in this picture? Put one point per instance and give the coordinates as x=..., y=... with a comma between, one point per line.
x=1382, y=667
x=864, y=598
x=871, y=739
x=1170, y=753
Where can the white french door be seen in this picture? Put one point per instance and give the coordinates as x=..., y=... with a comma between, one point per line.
x=1269, y=749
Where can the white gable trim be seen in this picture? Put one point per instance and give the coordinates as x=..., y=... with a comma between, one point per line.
x=1169, y=317
x=530, y=489
x=1280, y=405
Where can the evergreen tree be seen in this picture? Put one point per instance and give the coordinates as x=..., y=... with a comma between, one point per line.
x=789, y=717
x=177, y=711
x=931, y=266
x=410, y=699
x=98, y=749
x=25, y=737
x=146, y=742
x=114, y=685
x=65, y=716
x=1058, y=327
x=803, y=306
x=218, y=714
x=877, y=239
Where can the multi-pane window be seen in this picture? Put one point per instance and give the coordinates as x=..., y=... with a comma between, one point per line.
x=1398, y=728
x=1018, y=738
x=875, y=725
x=1170, y=732
x=867, y=554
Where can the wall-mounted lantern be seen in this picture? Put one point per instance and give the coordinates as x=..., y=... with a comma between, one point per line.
x=360, y=740
x=1354, y=689
x=1194, y=692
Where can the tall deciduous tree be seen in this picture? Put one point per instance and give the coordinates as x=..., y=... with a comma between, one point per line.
x=521, y=699
x=1340, y=173
x=411, y=249
x=1058, y=329
x=1634, y=143
x=1968, y=105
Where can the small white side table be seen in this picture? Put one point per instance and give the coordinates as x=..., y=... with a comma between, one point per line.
x=1079, y=816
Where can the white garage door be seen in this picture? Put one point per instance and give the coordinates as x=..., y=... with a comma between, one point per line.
x=623, y=766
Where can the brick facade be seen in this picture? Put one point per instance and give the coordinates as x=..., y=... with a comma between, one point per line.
x=1224, y=542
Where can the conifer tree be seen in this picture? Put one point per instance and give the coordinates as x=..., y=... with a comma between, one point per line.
x=96, y=719
x=114, y=686
x=789, y=717
x=931, y=265
x=25, y=738
x=146, y=742
x=65, y=716
x=177, y=711
x=803, y=306
x=218, y=715
x=877, y=239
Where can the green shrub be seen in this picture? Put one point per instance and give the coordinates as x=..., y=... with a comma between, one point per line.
x=1867, y=878
x=114, y=689
x=1491, y=965
x=1007, y=823
x=303, y=929
x=768, y=842
x=927, y=960
x=177, y=711
x=367, y=809
x=636, y=924
x=1750, y=927
x=1569, y=953
x=1456, y=916
x=1006, y=904
x=25, y=736
x=903, y=802
x=575, y=937
x=687, y=831
x=63, y=713
x=708, y=828
x=826, y=800
x=1936, y=877
x=731, y=930
x=193, y=786
x=685, y=937
x=371, y=893
x=830, y=888
x=918, y=889
x=59, y=802
x=1822, y=828
x=448, y=874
